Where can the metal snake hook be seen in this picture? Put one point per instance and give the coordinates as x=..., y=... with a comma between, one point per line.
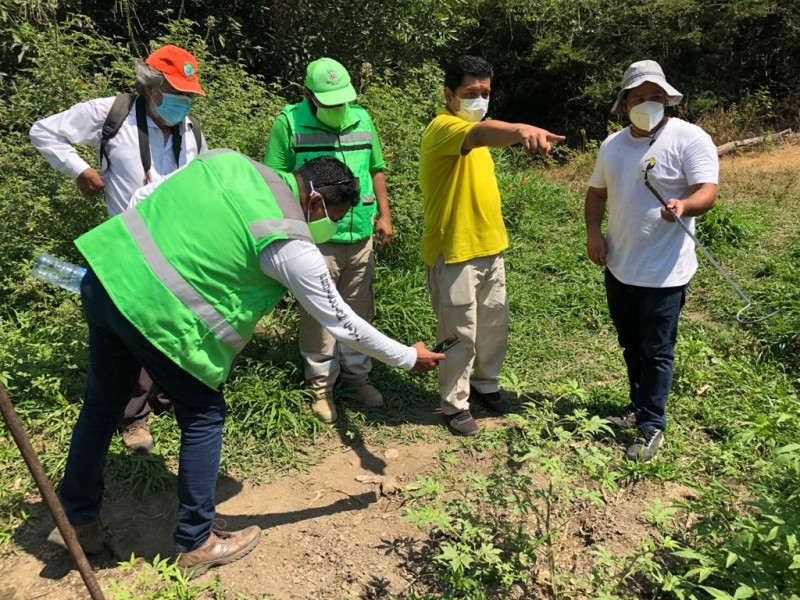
x=651, y=162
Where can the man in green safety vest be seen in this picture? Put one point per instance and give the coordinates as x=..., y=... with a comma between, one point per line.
x=327, y=123
x=181, y=297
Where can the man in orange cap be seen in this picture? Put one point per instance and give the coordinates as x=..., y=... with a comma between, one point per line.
x=138, y=139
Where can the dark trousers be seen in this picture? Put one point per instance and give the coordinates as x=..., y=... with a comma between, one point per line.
x=138, y=407
x=646, y=320
x=117, y=351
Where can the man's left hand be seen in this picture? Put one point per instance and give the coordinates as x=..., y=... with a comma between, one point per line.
x=383, y=232
x=676, y=207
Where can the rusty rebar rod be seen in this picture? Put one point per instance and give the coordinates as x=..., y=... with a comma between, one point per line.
x=48, y=494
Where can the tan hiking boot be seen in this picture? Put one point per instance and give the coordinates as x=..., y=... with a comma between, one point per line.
x=221, y=548
x=368, y=394
x=138, y=440
x=90, y=537
x=324, y=407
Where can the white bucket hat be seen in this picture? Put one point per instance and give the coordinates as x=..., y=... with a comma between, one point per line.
x=637, y=74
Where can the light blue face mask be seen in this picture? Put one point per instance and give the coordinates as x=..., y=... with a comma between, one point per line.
x=322, y=229
x=173, y=108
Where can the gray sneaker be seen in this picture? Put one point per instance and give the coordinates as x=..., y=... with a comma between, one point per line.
x=624, y=420
x=645, y=447
x=462, y=423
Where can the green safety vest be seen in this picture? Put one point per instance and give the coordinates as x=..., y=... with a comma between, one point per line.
x=183, y=265
x=352, y=145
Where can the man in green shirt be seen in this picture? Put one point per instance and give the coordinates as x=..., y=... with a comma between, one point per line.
x=327, y=123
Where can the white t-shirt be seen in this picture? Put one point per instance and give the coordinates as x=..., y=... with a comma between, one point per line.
x=54, y=137
x=644, y=249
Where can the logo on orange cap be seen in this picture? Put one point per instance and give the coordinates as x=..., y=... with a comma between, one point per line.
x=178, y=66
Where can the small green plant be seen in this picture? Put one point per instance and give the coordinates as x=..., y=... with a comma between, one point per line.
x=160, y=579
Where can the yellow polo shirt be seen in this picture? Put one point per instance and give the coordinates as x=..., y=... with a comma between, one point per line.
x=462, y=201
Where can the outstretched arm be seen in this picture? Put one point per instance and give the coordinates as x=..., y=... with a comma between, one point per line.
x=498, y=134
x=299, y=266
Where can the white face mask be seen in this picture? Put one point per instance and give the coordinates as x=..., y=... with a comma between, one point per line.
x=473, y=109
x=647, y=115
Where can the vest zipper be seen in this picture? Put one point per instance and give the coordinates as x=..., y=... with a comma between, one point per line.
x=352, y=212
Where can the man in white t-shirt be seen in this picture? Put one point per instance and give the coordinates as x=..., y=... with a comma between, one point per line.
x=649, y=259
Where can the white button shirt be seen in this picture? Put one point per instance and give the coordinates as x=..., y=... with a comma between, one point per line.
x=54, y=137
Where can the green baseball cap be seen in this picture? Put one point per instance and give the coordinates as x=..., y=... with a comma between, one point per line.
x=329, y=81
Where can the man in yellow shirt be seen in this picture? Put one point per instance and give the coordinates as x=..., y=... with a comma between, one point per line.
x=464, y=237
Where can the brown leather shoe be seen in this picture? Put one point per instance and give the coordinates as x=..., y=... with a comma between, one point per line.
x=138, y=440
x=90, y=537
x=221, y=548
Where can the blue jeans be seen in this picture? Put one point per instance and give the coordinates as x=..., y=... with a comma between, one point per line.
x=117, y=351
x=646, y=320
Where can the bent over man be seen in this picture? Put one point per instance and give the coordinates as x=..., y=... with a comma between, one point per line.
x=181, y=296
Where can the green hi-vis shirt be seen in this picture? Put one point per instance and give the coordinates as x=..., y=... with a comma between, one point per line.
x=297, y=136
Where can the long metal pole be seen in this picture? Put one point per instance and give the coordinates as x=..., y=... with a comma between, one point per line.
x=48, y=495
x=651, y=162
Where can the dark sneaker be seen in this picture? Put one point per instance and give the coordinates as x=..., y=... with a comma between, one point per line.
x=491, y=401
x=645, y=447
x=221, y=548
x=624, y=420
x=462, y=423
x=90, y=537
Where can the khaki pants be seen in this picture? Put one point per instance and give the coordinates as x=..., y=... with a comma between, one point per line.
x=352, y=269
x=469, y=299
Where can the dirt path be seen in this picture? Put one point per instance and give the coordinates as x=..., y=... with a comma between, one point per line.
x=322, y=532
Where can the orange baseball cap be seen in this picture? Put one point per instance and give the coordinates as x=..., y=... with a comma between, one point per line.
x=178, y=66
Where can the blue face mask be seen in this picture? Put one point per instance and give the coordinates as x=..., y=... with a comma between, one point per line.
x=173, y=108
x=322, y=229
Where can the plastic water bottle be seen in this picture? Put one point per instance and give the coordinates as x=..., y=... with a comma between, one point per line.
x=63, y=274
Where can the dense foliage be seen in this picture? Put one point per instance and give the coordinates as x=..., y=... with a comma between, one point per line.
x=557, y=62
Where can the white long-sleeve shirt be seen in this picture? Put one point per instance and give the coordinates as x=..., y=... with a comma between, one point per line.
x=55, y=136
x=299, y=266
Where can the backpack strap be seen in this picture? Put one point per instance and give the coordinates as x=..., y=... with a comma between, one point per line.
x=116, y=116
x=144, y=138
x=198, y=133
x=177, y=139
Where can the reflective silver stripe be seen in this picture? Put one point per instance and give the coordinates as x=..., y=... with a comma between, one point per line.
x=318, y=139
x=289, y=205
x=175, y=282
x=297, y=230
